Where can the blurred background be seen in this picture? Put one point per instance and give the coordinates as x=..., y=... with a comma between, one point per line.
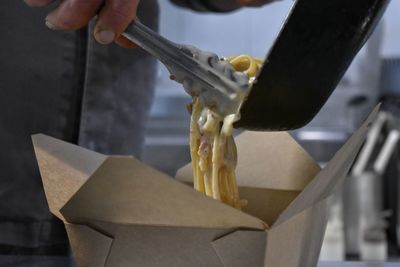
x=365, y=216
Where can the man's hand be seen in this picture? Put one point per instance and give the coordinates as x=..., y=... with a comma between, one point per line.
x=113, y=16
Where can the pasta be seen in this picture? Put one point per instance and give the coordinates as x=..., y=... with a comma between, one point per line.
x=212, y=147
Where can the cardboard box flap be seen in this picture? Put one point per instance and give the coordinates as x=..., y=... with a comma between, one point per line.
x=328, y=180
x=64, y=168
x=152, y=246
x=241, y=248
x=90, y=247
x=126, y=191
x=268, y=160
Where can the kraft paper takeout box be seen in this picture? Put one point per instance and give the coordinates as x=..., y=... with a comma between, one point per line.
x=120, y=212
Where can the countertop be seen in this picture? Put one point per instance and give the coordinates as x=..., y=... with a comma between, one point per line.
x=44, y=261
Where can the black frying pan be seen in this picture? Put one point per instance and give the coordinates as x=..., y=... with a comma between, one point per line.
x=316, y=45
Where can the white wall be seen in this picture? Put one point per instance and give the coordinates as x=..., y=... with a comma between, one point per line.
x=250, y=30
x=391, y=44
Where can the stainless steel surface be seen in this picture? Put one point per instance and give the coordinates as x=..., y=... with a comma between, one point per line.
x=218, y=87
x=362, y=208
x=365, y=188
x=63, y=261
x=321, y=142
x=390, y=83
x=366, y=152
x=387, y=151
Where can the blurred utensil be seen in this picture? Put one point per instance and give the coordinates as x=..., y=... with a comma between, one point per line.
x=363, y=193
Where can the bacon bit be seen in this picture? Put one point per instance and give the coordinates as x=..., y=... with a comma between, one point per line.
x=204, y=149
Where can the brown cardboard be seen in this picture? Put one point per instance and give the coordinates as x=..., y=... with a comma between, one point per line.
x=145, y=196
x=64, y=169
x=90, y=247
x=241, y=248
x=120, y=212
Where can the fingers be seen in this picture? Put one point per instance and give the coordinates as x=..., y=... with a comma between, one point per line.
x=113, y=19
x=38, y=3
x=72, y=14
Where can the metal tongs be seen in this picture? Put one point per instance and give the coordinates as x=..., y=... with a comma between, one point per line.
x=217, y=90
x=314, y=48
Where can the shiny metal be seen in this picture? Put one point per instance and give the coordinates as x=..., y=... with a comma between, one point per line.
x=363, y=191
x=362, y=194
x=316, y=44
x=387, y=152
x=372, y=138
x=362, y=197
x=218, y=90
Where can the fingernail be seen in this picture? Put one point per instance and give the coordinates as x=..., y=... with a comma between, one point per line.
x=50, y=25
x=105, y=36
x=49, y=21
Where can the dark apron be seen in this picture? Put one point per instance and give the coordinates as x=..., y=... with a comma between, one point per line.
x=65, y=85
